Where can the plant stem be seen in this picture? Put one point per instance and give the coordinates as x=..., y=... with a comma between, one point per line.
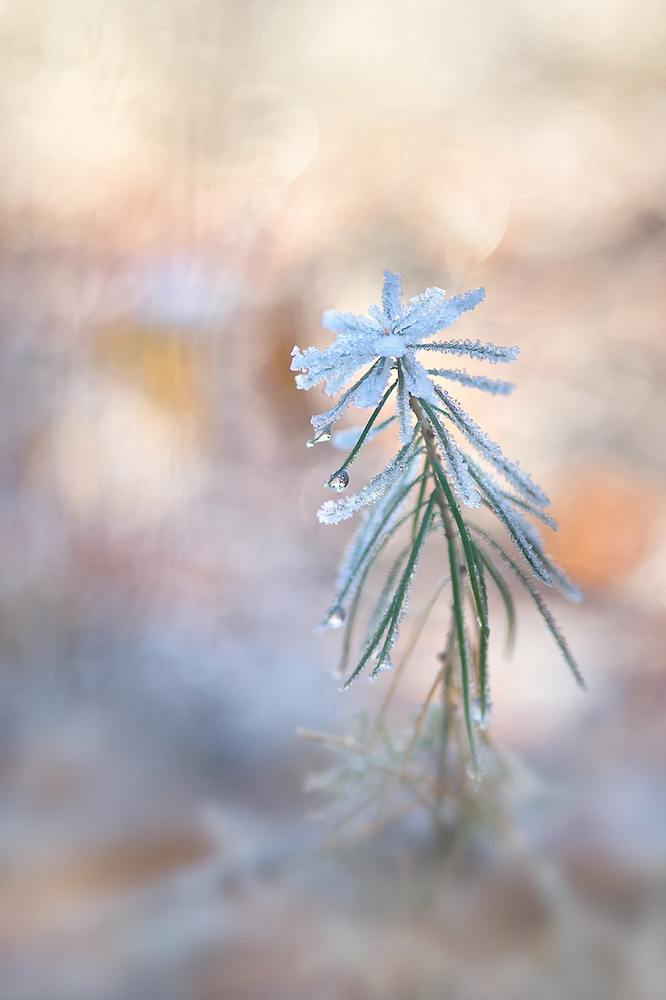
x=428, y=436
x=447, y=709
x=431, y=449
x=446, y=674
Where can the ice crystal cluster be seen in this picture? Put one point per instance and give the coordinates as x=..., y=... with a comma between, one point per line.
x=445, y=463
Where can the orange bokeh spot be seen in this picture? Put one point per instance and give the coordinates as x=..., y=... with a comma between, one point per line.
x=607, y=517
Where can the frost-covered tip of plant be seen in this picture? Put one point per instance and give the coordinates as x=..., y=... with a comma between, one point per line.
x=389, y=338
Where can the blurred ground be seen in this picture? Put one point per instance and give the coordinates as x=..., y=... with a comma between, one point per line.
x=185, y=187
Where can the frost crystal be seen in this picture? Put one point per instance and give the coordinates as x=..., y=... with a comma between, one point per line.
x=492, y=385
x=456, y=467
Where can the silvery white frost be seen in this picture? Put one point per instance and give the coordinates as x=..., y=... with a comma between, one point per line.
x=372, y=359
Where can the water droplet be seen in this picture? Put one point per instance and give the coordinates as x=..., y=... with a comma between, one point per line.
x=474, y=774
x=481, y=718
x=336, y=617
x=384, y=664
x=339, y=482
x=324, y=435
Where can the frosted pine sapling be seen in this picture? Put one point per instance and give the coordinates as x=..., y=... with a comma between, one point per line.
x=425, y=490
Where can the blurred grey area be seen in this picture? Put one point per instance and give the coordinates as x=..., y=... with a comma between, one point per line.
x=186, y=185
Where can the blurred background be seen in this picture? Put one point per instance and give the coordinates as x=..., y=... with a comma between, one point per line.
x=185, y=186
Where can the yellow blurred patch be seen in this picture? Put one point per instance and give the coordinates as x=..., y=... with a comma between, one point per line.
x=167, y=366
